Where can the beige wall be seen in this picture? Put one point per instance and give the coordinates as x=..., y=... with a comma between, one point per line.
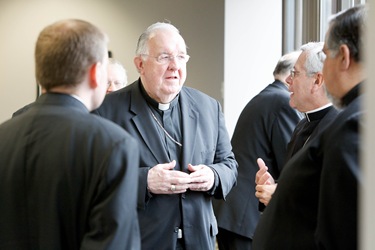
x=200, y=22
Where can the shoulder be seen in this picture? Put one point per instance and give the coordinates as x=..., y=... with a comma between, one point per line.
x=114, y=101
x=198, y=99
x=107, y=128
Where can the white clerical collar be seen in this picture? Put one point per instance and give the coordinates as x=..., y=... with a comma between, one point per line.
x=320, y=108
x=164, y=106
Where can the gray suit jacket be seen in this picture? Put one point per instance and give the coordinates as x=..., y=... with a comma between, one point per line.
x=205, y=141
x=66, y=179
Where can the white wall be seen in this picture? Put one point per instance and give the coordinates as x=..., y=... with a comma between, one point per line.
x=200, y=22
x=252, y=48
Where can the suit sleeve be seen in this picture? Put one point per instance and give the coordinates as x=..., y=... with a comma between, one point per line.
x=225, y=165
x=113, y=221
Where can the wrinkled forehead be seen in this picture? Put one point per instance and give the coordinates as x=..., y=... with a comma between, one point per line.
x=166, y=41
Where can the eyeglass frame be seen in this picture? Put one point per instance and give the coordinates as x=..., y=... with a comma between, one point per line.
x=116, y=83
x=182, y=58
x=293, y=73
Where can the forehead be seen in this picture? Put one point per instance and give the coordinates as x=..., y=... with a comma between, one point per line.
x=166, y=41
x=300, y=63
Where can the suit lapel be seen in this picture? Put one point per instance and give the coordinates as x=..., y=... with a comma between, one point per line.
x=190, y=120
x=146, y=126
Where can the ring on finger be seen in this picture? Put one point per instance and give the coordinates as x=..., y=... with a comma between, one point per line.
x=173, y=188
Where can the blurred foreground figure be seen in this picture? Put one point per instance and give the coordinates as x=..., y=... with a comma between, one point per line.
x=67, y=177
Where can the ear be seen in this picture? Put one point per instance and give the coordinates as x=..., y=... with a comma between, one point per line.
x=138, y=62
x=94, y=74
x=319, y=81
x=344, y=56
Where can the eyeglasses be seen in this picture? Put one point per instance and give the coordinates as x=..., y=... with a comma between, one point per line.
x=293, y=73
x=116, y=83
x=165, y=58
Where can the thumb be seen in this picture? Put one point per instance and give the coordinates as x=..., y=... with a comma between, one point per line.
x=261, y=163
x=191, y=168
x=169, y=165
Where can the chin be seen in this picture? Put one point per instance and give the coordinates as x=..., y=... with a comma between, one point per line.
x=335, y=101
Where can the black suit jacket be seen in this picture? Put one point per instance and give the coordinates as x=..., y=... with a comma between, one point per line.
x=263, y=130
x=204, y=141
x=67, y=179
x=310, y=127
x=315, y=202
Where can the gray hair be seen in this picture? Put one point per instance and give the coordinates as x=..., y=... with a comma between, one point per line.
x=314, y=57
x=142, y=45
x=119, y=66
x=286, y=63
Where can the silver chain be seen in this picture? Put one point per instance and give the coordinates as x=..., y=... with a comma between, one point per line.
x=165, y=131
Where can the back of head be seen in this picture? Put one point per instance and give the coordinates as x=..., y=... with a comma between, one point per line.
x=142, y=45
x=314, y=57
x=65, y=50
x=285, y=65
x=346, y=28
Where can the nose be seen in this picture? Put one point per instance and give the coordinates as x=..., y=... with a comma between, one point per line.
x=174, y=63
x=289, y=79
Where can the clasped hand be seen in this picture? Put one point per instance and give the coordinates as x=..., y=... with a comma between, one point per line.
x=162, y=179
x=265, y=183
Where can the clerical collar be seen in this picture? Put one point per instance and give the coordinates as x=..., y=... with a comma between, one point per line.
x=155, y=104
x=318, y=113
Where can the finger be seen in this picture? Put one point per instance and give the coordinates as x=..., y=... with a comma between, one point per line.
x=259, y=175
x=266, y=177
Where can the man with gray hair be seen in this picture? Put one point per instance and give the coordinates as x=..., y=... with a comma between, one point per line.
x=186, y=157
x=117, y=77
x=309, y=96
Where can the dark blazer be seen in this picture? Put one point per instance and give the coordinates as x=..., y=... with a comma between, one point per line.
x=316, y=197
x=67, y=179
x=205, y=141
x=340, y=178
x=23, y=109
x=263, y=130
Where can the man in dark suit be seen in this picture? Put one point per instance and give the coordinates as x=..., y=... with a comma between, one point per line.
x=263, y=130
x=309, y=96
x=316, y=202
x=67, y=177
x=186, y=153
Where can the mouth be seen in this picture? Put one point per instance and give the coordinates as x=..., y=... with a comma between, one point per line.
x=172, y=78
